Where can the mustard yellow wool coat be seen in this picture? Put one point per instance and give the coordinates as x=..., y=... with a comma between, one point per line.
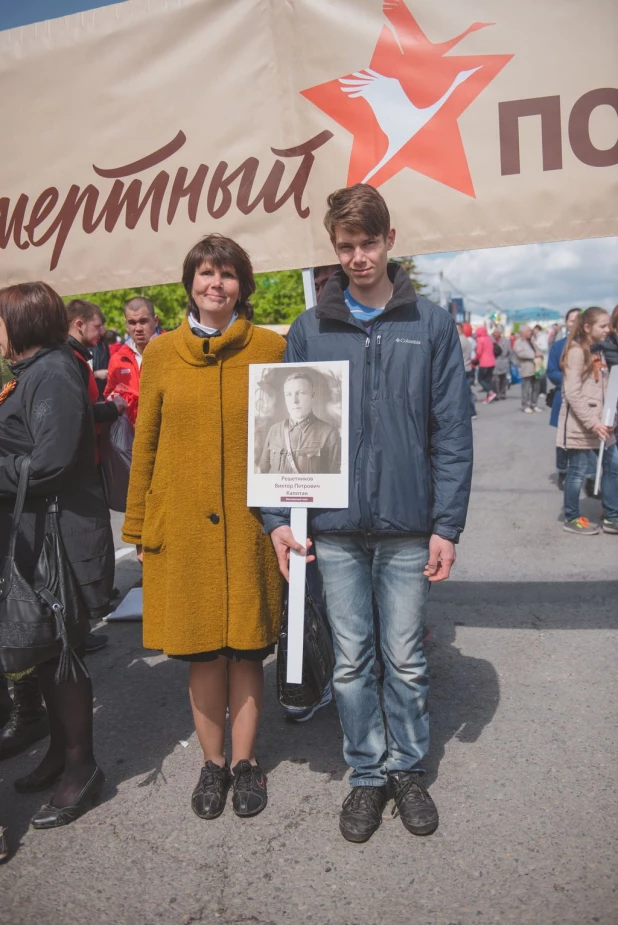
x=210, y=574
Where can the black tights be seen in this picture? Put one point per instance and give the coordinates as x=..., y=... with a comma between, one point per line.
x=69, y=706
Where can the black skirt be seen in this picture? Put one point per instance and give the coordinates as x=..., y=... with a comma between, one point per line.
x=234, y=655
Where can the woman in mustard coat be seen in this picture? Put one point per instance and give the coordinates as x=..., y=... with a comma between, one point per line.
x=212, y=587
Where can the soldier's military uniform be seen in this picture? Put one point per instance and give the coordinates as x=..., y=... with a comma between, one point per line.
x=315, y=446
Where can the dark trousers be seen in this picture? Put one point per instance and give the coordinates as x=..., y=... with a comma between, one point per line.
x=485, y=376
x=499, y=384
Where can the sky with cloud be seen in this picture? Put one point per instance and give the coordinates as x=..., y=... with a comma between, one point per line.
x=557, y=275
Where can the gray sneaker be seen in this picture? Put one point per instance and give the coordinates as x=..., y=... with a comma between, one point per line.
x=582, y=526
x=610, y=526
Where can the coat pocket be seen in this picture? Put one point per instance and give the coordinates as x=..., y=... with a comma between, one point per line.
x=153, y=532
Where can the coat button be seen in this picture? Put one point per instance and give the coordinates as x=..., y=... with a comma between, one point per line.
x=214, y=518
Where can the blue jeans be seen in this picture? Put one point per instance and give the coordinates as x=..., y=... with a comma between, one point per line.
x=352, y=567
x=579, y=468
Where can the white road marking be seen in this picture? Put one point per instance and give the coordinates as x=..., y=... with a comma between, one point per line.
x=125, y=551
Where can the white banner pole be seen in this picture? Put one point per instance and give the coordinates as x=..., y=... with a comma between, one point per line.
x=298, y=563
x=608, y=418
x=597, y=481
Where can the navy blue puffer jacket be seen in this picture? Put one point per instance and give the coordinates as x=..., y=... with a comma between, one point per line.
x=410, y=429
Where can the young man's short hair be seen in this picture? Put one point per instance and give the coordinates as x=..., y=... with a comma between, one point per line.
x=570, y=312
x=138, y=302
x=82, y=309
x=357, y=208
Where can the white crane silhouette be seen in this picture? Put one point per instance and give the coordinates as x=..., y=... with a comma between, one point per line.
x=395, y=113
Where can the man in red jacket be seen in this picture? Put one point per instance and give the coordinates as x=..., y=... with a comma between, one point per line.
x=125, y=366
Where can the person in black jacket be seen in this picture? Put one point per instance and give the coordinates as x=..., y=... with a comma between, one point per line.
x=410, y=467
x=86, y=327
x=45, y=413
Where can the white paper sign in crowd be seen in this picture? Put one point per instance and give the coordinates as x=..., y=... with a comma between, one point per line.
x=298, y=435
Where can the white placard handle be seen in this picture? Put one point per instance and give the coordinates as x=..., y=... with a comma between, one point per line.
x=597, y=481
x=296, y=599
x=298, y=563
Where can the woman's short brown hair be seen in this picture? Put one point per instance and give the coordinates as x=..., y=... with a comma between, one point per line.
x=34, y=315
x=357, y=208
x=221, y=252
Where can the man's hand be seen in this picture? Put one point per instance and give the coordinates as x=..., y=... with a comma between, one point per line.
x=120, y=403
x=139, y=550
x=283, y=541
x=441, y=558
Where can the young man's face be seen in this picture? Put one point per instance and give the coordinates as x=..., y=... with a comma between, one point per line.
x=298, y=398
x=571, y=320
x=90, y=332
x=141, y=325
x=363, y=257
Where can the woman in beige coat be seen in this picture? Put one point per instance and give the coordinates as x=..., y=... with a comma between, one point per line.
x=212, y=588
x=580, y=429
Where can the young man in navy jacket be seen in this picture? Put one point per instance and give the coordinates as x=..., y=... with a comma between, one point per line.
x=410, y=466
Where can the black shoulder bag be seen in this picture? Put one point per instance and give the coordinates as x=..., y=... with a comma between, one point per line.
x=318, y=658
x=49, y=618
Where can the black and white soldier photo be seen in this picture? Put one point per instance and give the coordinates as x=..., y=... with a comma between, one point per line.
x=298, y=421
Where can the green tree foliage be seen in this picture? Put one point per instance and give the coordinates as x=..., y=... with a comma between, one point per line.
x=5, y=373
x=279, y=297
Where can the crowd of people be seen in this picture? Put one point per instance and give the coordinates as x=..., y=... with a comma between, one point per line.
x=576, y=357
x=213, y=568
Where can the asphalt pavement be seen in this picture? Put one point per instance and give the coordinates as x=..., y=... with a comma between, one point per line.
x=522, y=655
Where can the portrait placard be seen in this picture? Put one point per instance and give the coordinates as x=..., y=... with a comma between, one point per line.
x=298, y=435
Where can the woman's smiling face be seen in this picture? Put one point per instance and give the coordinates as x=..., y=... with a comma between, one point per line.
x=215, y=292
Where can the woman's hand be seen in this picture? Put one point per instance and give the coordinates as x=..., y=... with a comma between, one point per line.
x=140, y=554
x=283, y=540
x=602, y=431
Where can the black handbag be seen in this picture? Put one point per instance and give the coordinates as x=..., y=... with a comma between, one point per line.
x=49, y=618
x=549, y=398
x=318, y=658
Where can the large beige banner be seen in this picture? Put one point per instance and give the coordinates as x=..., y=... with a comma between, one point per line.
x=130, y=130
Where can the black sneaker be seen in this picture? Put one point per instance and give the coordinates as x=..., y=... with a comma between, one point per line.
x=361, y=813
x=418, y=811
x=95, y=641
x=208, y=798
x=250, y=796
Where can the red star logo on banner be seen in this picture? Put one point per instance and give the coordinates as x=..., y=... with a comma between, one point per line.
x=402, y=110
